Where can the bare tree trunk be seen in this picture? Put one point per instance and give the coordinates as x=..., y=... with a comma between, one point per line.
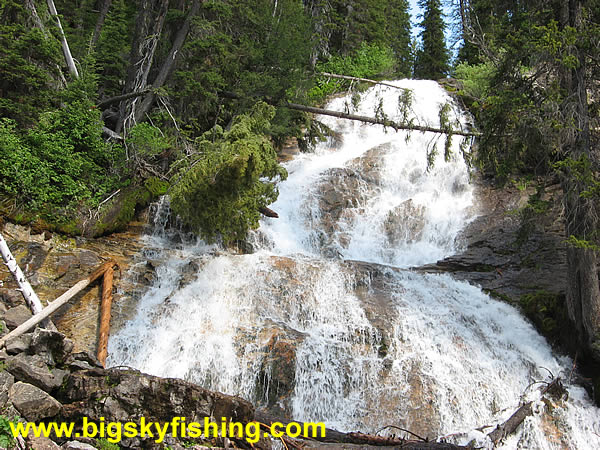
x=30, y=5
x=148, y=29
x=65, y=45
x=100, y=22
x=28, y=293
x=169, y=63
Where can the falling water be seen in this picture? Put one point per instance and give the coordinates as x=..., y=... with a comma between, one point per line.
x=324, y=321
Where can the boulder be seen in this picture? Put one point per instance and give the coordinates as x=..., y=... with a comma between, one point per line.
x=17, y=315
x=77, y=445
x=41, y=443
x=33, y=403
x=33, y=369
x=123, y=395
x=6, y=381
x=19, y=344
x=51, y=343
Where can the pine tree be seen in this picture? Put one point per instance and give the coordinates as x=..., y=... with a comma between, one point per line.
x=398, y=31
x=432, y=59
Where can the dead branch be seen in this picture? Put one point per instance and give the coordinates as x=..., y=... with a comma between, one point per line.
x=364, y=80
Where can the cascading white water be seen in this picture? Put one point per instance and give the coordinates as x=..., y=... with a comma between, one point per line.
x=300, y=327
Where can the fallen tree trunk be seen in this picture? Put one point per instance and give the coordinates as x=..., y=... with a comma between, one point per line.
x=27, y=291
x=366, y=119
x=107, y=286
x=268, y=212
x=333, y=436
x=364, y=80
x=60, y=301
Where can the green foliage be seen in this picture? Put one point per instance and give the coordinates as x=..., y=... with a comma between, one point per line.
x=221, y=193
x=105, y=444
x=146, y=141
x=432, y=61
x=368, y=61
x=6, y=437
x=475, y=78
x=28, y=64
x=62, y=162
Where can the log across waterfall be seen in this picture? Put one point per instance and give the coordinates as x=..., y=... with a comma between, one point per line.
x=324, y=322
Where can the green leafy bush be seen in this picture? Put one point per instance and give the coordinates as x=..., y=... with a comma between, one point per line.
x=221, y=192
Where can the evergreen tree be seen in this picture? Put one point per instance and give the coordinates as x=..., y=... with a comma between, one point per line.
x=397, y=33
x=432, y=59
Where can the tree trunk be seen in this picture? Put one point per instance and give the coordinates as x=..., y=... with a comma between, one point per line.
x=169, y=63
x=107, y=286
x=63, y=40
x=148, y=29
x=60, y=301
x=100, y=22
x=583, y=291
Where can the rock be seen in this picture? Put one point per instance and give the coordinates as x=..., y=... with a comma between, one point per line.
x=127, y=395
x=52, y=342
x=16, y=316
x=33, y=403
x=10, y=297
x=32, y=369
x=80, y=359
x=405, y=223
x=89, y=259
x=19, y=344
x=42, y=443
x=77, y=445
x=6, y=381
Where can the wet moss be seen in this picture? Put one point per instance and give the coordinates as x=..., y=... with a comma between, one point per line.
x=546, y=310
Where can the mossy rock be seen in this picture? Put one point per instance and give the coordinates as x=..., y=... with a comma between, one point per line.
x=123, y=208
x=546, y=310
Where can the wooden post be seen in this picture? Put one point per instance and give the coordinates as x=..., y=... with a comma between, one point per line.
x=107, y=285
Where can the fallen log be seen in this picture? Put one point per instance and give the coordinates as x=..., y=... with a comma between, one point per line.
x=334, y=436
x=107, y=286
x=364, y=80
x=60, y=301
x=268, y=212
x=365, y=119
x=27, y=291
x=555, y=389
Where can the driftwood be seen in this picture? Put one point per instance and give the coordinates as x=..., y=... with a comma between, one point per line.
x=334, y=436
x=554, y=389
x=268, y=212
x=107, y=286
x=60, y=301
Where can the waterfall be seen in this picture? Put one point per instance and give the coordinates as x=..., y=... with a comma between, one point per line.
x=325, y=321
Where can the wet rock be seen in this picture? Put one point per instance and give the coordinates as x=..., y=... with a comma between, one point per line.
x=83, y=358
x=32, y=369
x=19, y=344
x=6, y=381
x=405, y=223
x=51, y=342
x=14, y=317
x=277, y=375
x=33, y=403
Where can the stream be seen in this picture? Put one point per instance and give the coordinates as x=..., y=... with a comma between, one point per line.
x=325, y=321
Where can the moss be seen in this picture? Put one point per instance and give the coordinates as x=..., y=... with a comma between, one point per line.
x=546, y=310
x=122, y=210
x=499, y=296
